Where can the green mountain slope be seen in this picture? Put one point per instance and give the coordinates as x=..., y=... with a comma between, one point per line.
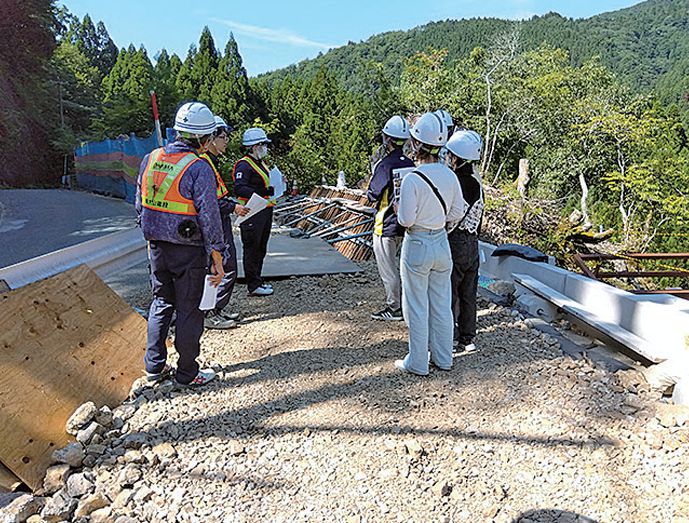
x=641, y=44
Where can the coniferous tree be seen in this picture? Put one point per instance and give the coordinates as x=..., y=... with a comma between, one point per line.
x=184, y=82
x=165, y=72
x=86, y=39
x=29, y=110
x=78, y=83
x=231, y=95
x=126, y=98
x=107, y=50
x=197, y=75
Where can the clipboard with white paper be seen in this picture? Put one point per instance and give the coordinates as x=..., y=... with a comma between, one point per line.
x=210, y=295
x=255, y=204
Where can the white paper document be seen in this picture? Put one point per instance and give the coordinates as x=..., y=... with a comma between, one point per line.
x=210, y=295
x=277, y=180
x=255, y=204
x=397, y=175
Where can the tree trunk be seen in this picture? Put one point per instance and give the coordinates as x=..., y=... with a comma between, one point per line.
x=584, y=198
x=523, y=178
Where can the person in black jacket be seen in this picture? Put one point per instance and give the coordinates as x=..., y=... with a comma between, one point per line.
x=387, y=232
x=464, y=148
x=251, y=176
x=220, y=317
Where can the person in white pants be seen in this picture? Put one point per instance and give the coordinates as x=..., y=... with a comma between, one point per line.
x=430, y=197
x=387, y=232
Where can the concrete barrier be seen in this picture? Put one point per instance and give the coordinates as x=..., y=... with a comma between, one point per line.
x=660, y=322
x=105, y=255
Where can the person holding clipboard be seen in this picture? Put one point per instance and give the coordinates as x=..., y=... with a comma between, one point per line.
x=252, y=177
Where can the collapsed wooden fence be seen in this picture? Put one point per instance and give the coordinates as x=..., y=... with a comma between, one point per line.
x=341, y=217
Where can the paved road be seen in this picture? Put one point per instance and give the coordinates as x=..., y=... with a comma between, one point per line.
x=38, y=221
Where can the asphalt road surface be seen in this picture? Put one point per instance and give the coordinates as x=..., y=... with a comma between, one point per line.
x=38, y=221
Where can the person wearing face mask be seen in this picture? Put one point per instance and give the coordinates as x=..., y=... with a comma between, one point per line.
x=177, y=204
x=387, y=232
x=430, y=197
x=251, y=176
x=219, y=318
x=464, y=148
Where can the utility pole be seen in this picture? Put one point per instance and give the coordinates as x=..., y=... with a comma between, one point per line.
x=65, y=178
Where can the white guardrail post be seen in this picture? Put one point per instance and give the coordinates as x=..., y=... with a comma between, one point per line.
x=105, y=255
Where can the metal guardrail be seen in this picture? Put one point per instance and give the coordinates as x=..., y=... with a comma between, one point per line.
x=105, y=255
x=667, y=271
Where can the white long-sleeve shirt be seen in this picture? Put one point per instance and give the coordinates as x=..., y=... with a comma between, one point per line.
x=418, y=204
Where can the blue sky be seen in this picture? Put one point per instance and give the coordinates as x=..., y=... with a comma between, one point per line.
x=273, y=34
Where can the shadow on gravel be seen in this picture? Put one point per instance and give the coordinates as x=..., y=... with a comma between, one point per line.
x=552, y=516
x=355, y=377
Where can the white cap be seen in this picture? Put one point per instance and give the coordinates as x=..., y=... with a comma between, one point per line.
x=194, y=118
x=253, y=136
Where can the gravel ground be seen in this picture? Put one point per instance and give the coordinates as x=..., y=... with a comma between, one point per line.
x=309, y=421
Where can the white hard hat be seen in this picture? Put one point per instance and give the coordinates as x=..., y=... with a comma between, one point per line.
x=253, y=136
x=397, y=127
x=221, y=124
x=430, y=129
x=194, y=118
x=465, y=144
x=447, y=118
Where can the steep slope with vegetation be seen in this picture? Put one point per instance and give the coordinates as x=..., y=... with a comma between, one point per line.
x=644, y=45
x=598, y=106
x=27, y=97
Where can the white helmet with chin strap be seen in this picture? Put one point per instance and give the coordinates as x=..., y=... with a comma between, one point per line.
x=430, y=129
x=194, y=119
x=221, y=125
x=465, y=144
x=253, y=136
x=396, y=127
x=447, y=118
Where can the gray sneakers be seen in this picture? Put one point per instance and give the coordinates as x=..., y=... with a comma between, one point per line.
x=263, y=290
x=203, y=377
x=167, y=372
x=217, y=320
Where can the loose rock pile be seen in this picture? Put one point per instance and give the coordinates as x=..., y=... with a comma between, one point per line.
x=309, y=421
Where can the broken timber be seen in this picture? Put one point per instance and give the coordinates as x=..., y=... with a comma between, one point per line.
x=342, y=217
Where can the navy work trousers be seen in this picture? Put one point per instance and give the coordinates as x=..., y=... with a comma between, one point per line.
x=177, y=278
x=255, y=235
x=229, y=262
x=465, y=264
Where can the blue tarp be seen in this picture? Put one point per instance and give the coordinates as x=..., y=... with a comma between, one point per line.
x=111, y=166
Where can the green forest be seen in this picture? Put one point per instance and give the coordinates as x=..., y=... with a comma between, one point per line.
x=599, y=107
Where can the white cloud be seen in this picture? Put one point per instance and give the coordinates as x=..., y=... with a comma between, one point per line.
x=282, y=36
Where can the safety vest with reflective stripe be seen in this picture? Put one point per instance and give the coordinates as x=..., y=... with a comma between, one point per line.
x=262, y=171
x=160, y=182
x=222, y=188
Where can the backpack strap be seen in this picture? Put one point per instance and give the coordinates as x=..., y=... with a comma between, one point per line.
x=433, y=188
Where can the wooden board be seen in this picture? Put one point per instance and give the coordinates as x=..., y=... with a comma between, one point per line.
x=64, y=340
x=8, y=481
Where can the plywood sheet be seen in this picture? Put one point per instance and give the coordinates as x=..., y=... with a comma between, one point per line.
x=8, y=481
x=63, y=341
